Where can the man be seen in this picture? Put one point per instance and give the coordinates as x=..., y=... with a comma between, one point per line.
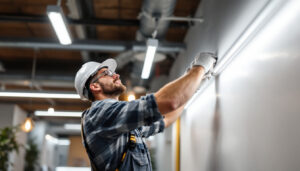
x=113, y=130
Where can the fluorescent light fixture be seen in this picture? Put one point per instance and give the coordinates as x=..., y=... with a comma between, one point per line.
x=152, y=45
x=56, y=140
x=72, y=126
x=255, y=26
x=58, y=23
x=39, y=95
x=58, y=113
x=63, y=142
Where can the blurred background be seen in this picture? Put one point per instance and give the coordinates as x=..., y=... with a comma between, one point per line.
x=244, y=118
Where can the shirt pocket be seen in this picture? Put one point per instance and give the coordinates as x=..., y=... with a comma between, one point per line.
x=140, y=159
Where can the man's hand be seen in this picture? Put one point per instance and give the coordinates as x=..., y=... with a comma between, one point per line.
x=204, y=59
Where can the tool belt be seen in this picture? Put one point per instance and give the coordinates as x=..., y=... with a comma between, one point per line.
x=131, y=145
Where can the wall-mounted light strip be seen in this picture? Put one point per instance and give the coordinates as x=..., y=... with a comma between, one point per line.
x=39, y=95
x=152, y=45
x=58, y=113
x=57, y=20
x=265, y=15
x=268, y=11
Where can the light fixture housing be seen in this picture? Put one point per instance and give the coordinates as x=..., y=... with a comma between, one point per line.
x=152, y=45
x=58, y=22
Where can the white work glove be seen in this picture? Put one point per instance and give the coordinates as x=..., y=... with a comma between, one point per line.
x=206, y=60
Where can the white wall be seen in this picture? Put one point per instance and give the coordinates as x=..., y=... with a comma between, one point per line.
x=248, y=118
x=164, y=155
x=18, y=159
x=6, y=115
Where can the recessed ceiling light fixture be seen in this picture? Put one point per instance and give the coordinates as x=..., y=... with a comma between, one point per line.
x=58, y=23
x=152, y=45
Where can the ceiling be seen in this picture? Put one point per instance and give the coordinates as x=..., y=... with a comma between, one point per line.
x=31, y=67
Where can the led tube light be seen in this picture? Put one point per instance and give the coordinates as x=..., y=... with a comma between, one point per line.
x=58, y=113
x=152, y=45
x=58, y=23
x=39, y=95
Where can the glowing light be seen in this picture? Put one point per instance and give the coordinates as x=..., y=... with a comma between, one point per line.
x=51, y=110
x=131, y=97
x=152, y=45
x=27, y=126
x=57, y=141
x=56, y=17
x=58, y=113
x=39, y=95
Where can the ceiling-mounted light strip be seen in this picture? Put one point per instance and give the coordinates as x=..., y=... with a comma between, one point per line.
x=152, y=45
x=58, y=23
x=58, y=113
x=39, y=95
x=252, y=29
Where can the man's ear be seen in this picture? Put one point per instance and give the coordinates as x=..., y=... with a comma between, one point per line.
x=95, y=87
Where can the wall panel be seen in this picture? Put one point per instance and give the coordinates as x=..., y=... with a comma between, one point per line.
x=248, y=118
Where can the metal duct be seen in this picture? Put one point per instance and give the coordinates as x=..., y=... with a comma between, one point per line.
x=150, y=18
x=89, y=45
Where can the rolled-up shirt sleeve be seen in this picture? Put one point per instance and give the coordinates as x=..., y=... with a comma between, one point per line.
x=153, y=129
x=111, y=117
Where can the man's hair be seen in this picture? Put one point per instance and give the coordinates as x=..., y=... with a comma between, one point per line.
x=90, y=95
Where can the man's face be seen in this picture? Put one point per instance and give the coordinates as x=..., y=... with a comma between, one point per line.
x=110, y=84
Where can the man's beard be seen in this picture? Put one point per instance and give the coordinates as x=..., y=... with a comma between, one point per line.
x=113, y=89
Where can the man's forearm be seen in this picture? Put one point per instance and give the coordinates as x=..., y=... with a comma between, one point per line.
x=171, y=117
x=176, y=93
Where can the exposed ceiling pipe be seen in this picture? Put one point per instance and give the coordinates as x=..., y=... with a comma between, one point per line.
x=86, y=21
x=88, y=45
x=124, y=58
x=41, y=80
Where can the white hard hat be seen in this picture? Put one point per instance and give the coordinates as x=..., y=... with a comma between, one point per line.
x=88, y=69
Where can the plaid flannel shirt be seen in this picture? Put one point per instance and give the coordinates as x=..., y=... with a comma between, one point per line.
x=107, y=126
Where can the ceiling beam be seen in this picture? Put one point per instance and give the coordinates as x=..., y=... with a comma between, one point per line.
x=88, y=45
